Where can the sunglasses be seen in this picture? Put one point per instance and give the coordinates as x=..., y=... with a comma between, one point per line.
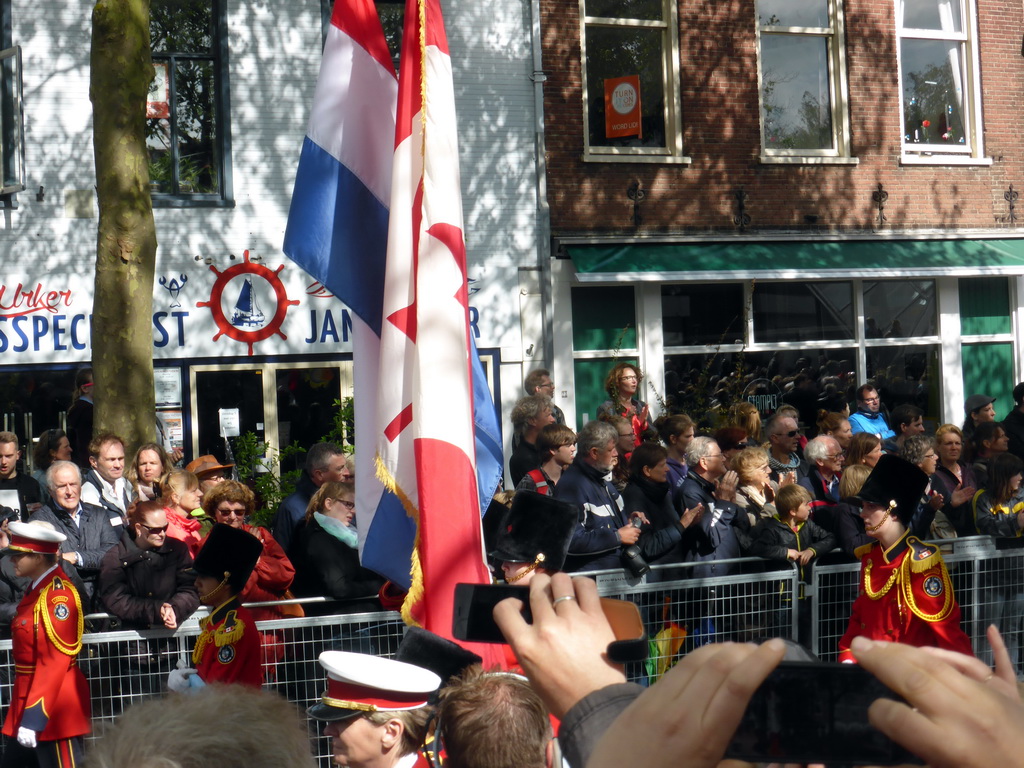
x=791, y=433
x=155, y=529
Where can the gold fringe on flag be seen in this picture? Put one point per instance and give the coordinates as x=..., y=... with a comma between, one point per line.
x=416, y=591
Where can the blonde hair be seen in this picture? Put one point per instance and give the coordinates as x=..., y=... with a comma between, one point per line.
x=853, y=480
x=746, y=461
x=745, y=416
x=177, y=482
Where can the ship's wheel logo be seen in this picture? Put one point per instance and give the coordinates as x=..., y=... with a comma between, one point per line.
x=246, y=320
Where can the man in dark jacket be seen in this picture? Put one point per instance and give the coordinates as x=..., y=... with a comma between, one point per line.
x=143, y=579
x=90, y=530
x=602, y=528
x=710, y=483
x=325, y=463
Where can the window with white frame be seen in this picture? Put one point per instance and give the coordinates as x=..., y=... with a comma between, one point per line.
x=940, y=98
x=630, y=54
x=802, y=79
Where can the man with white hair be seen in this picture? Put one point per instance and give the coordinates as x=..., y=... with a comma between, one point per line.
x=710, y=482
x=825, y=458
x=90, y=531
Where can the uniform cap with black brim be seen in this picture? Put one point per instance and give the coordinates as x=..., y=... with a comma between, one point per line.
x=358, y=684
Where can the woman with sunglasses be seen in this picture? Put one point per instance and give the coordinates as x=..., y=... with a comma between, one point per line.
x=143, y=580
x=326, y=549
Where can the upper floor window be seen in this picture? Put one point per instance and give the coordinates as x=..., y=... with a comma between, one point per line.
x=631, y=80
x=941, y=110
x=12, y=119
x=803, y=80
x=187, y=125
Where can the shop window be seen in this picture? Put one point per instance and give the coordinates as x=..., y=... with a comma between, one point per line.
x=630, y=54
x=706, y=385
x=187, y=129
x=702, y=314
x=907, y=374
x=984, y=306
x=802, y=80
x=899, y=309
x=603, y=318
x=938, y=71
x=803, y=311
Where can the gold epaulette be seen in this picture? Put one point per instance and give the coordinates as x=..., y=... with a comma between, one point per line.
x=922, y=556
x=862, y=550
x=230, y=632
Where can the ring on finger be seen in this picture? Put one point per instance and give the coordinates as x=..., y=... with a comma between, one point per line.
x=557, y=600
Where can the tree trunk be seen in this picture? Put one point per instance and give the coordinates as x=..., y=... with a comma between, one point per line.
x=122, y=320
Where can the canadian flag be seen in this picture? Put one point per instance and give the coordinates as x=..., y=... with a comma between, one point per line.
x=426, y=451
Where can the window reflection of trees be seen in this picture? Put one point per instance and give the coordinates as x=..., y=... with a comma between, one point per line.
x=793, y=121
x=932, y=93
x=184, y=157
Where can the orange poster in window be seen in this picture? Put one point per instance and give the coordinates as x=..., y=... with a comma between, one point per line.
x=622, y=107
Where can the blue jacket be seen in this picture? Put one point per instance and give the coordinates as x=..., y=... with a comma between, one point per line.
x=715, y=536
x=864, y=421
x=291, y=511
x=595, y=542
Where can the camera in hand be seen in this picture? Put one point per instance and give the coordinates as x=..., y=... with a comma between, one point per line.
x=810, y=712
x=632, y=558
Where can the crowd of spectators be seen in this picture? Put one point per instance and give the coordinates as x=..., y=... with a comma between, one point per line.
x=133, y=530
x=681, y=490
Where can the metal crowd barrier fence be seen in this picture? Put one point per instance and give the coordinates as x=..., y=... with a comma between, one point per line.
x=683, y=606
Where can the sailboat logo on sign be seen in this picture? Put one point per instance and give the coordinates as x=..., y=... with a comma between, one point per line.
x=237, y=299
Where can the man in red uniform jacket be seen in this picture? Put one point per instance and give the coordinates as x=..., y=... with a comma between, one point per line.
x=49, y=710
x=228, y=650
x=905, y=592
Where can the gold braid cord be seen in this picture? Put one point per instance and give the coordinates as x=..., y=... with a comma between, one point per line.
x=221, y=636
x=901, y=575
x=871, y=593
x=41, y=613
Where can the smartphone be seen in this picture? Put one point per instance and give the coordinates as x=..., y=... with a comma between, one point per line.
x=811, y=712
x=473, y=619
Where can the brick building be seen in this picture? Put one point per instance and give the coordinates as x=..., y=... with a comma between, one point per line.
x=743, y=190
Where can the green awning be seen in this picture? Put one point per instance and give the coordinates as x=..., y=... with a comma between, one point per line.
x=795, y=259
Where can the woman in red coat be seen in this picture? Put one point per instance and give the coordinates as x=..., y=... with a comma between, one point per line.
x=49, y=710
x=231, y=503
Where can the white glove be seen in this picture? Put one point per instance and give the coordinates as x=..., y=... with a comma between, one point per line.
x=27, y=737
x=178, y=679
